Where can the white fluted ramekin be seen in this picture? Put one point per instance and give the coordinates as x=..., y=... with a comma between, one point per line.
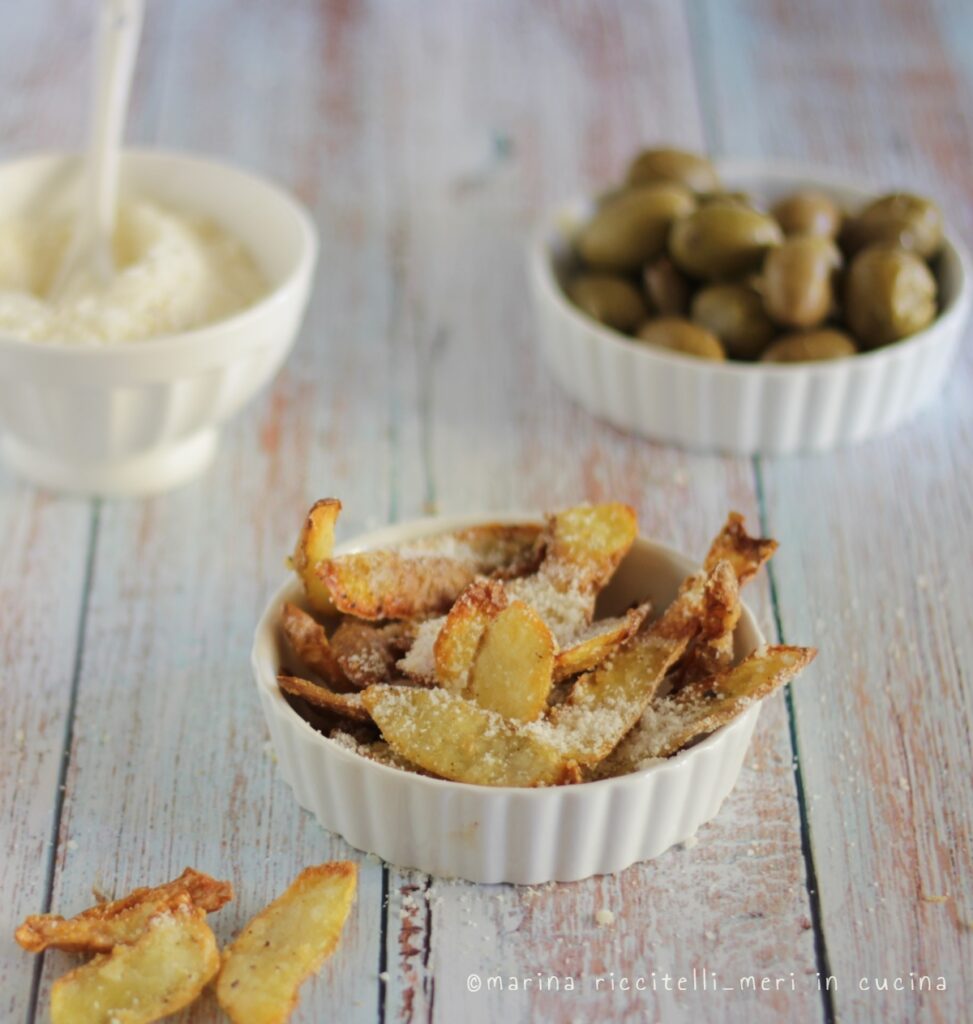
x=144, y=416
x=489, y=834
x=744, y=408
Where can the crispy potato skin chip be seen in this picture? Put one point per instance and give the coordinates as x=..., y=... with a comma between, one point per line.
x=504, y=550
x=604, y=705
x=513, y=669
x=745, y=554
x=367, y=653
x=592, y=540
x=309, y=641
x=589, y=653
x=712, y=649
x=102, y=927
x=284, y=944
x=459, y=637
x=386, y=585
x=314, y=546
x=160, y=972
x=348, y=705
x=702, y=707
x=455, y=739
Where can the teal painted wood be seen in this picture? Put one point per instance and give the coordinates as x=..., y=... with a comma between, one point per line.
x=877, y=540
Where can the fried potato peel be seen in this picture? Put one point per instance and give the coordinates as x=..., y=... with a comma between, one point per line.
x=456, y=739
x=513, y=668
x=593, y=648
x=702, y=707
x=289, y=940
x=163, y=970
x=504, y=550
x=591, y=540
x=745, y=554
x=314, y=546
x=367, y=653
x=309, y=641
x=458, y=639
x=386, y=585
x=102, y=927
x=604, y=705
x=348, y=705
x=478, y=658
x=719, y=611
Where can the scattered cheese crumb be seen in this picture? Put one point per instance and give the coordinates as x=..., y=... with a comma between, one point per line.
x=604, y=918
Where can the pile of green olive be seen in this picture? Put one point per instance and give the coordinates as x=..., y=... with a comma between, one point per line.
x=674, y=260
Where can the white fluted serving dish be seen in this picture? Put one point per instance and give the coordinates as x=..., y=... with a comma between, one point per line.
x=144, y=416
x=488, y=834
x=744, y=408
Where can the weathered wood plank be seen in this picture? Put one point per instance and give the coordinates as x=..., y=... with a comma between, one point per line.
x=42, y=571
x=877, y=539
x=473, y=169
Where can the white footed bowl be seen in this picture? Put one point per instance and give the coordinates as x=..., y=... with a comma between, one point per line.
x=144, y=416
x=488, y=834
x=743, y=408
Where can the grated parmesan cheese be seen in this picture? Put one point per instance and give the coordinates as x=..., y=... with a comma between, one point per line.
x=174, y=272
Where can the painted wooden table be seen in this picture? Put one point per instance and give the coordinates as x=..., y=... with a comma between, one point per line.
x=427, y=138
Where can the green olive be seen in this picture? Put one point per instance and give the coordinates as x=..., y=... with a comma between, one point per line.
x=798, y=280
x=727, y=199
x=667, y=289
x=612, y=301
x=889, y=293
x=809, y=346
x=722, y=241
x=735, y=314
x=808, y=213
x=630, y=229
x=681, y=335
x=689, y=169
x=907, y=221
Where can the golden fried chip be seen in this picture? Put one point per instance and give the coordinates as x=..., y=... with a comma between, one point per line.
x=455, y=739
x=702, y=707
x=367, y=653
x=745, y=553
x=597, y=643
x=289, y=940
x=348, y=705
x=603, y=705
x=314, y=546
x=459, y=636
x=107, y=924
x=309, y=642
x=583, y=547
x=711, y=651
x=164, y=969
x=504, y=550
x=388, y=585
x=514, y=664
x=591, y=541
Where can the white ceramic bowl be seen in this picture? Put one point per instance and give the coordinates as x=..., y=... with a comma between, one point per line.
x=144, y=416
x=489, y=834
x=743, y=408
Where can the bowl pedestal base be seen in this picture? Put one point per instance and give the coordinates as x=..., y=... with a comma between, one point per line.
x=150, y=472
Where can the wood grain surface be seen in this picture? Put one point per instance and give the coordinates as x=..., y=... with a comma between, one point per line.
x=427, y=139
